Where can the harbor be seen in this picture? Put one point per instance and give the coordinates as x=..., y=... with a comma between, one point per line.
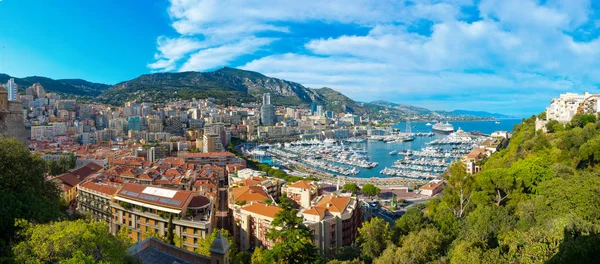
x=424, y=157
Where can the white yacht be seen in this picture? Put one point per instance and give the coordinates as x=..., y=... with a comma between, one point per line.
x=443, y=127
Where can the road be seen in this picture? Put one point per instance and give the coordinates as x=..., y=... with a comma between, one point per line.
x=379, y=213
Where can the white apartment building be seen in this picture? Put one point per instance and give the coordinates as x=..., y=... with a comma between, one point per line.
x=302, y=193
x=564, y=107
x=48, y=131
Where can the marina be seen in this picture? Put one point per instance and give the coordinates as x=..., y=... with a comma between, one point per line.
x=425, y=157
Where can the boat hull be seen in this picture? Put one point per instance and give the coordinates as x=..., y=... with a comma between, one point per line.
x=442, y=131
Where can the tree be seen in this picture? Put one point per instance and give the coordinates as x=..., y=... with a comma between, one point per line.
x=24, y=193
x=542, y=115
x=530, y=172
x=70, y=242
x=374, y=237
x=589, y=153
x=171, y=231
x=205, y=243
x=257, y=256
x=423, y=246
x=353, y=261
x=293, y=240
x=413, y=220
x=347, y=253
x=242, y=257
x=554, y=126
x=580, y=120
x=370, y=189
x=351, y=187
x=458, y=193
x=498, y=183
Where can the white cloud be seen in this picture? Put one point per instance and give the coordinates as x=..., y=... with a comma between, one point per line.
x=219, y=56
x=513, y=50
x=224, y=22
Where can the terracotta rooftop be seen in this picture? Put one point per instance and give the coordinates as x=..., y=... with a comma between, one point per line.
x=105, y=188
x=333, y=203
x=209, y=154
x=320, y=211
x=302, y=184
x=252, y=181
x=432, y=185
x=76, y=176
x=249, y=194
x=474, y=154
x=263, y=209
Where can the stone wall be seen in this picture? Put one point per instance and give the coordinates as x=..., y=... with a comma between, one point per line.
x=11, y=121
x=541, y=124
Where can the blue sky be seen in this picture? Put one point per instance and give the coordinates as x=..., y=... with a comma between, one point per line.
x=507, y=56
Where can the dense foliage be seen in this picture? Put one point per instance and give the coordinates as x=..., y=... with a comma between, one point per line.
x=64, y=164
x=24, y=194
x=351, y=187
x=69, y=242
x=370, y=189
x=294, y=242
x=536, y=201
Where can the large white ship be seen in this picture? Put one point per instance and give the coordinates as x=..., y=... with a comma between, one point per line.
x=443, y=127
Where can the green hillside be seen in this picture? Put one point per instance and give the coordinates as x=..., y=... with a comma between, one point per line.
x=537, y=201
x=64, y=86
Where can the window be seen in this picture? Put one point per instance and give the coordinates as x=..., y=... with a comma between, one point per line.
x=195, y=240
x=184, y=229
x=195, y=231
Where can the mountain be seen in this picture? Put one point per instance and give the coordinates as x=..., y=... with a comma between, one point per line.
x=234, y=86
x=409, y=109
x=64, y=86
x=480, y=114
x=228, y=85
x=423, y=113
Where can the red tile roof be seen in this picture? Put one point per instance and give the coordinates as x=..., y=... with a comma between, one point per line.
x=333, y=203
x=249, y=194
x=74, y=177
x=263, y=209
x=105, y=188
x=209, y=154
x=302, y=184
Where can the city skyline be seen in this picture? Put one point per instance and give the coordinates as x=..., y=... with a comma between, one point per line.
x=475, y=55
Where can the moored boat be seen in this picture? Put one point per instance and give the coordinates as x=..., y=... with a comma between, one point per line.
x=443, y=127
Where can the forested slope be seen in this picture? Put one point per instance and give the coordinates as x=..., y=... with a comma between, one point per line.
x=538, y=201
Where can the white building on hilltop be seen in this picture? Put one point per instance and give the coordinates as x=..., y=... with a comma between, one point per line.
x=564, y=107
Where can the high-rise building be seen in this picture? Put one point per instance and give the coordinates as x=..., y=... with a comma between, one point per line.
x=11, y=88
x=319, y=110
x=313, y=108
x=211, y=143
x=134, y=123
x=37, y=90
x=267, y=111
